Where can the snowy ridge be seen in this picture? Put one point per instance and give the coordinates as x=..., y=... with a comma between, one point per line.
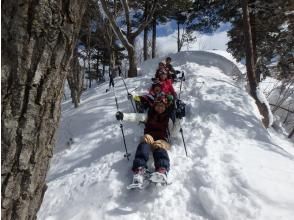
x=203, y=58
x=235, y=170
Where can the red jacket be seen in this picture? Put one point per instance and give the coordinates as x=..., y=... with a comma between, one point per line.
x=167, y=88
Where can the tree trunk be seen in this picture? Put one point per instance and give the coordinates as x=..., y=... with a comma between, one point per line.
x=154, y=38
x=145, y=47
x=132, y=62
x=38, y=38
x=75, y=80
x=253, y=33
x=84, y=72
x=97, y=66
x=103, y=68
x=250, y=64
x=89, y=54
x=291, y=133
x=89, y=71
x=178, y=40
x=254, y=46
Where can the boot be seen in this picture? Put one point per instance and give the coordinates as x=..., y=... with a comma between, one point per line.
x=139, y=176
x=159, y=176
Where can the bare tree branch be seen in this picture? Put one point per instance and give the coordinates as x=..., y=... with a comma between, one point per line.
x=277, y=106
x=147, y=21
x=115, y=27
x=127, y=15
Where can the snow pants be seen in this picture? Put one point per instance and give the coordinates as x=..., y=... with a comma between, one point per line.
x=160, y=156
x=111, y=82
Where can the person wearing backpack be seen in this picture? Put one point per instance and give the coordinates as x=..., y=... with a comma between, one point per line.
x=172, y=73
x=155, y=140
x=161, y=69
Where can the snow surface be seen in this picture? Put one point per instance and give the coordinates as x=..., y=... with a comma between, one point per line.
x=235, y=168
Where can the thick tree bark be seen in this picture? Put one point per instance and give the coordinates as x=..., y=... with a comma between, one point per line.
x=154, y=38
x=38, y=38
x=132, y=72
x=250, y=64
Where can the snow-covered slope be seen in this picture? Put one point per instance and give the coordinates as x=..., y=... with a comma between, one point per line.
x=235, y=169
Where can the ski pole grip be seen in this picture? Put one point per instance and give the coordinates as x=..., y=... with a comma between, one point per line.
x=119, y=116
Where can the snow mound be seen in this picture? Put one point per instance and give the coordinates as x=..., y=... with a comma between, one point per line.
x=235, y=169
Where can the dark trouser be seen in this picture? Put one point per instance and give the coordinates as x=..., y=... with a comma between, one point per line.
x=111, y=82
x=160, y=156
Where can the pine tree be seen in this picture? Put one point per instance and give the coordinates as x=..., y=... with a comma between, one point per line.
x=271, y=23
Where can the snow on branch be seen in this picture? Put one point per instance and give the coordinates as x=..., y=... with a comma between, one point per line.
x=261, y=97
x=114, y=25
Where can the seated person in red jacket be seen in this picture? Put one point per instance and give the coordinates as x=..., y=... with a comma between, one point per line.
x=155, y=140
x=168, y=89
x=166, y=85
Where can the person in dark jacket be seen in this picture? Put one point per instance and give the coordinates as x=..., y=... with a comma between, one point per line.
x=145, y=102
x=155, y=140
x=161, y=69
x=172, y=73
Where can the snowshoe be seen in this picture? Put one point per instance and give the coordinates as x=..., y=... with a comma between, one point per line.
x=140, y=179
x=159, y=177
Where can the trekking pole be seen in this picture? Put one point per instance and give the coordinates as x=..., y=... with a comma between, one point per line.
x=182, y=78
x=148, y=83
x=129, y=94
x=127, y=155
x=181, y=130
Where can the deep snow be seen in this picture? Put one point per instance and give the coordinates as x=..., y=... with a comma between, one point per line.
x=236, y=169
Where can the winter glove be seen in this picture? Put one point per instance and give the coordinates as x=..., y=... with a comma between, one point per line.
x=180, y=110
x=137, y=98
x=170, y=98
x=160, y=144
x=148, y=139
x=119, y=116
